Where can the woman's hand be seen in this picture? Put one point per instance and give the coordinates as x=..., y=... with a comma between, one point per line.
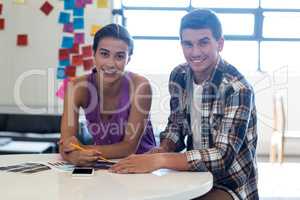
x=138, y=164
x=80, y=157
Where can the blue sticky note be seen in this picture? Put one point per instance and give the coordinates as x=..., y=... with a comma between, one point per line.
x=67, y=42
x=60, y=73
x=64, y=18
x=78, y=23
x=79, y=12
x=64, y=62
x=69, y=4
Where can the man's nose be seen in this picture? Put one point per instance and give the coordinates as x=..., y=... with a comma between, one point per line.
x=197, y=51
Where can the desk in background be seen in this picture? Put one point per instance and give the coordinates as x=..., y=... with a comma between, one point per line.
x=56, y=185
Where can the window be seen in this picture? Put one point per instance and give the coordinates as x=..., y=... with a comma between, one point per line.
x=225, y=3
x=260, y=34
x=153, y=22
x=237, y=24
x=281, y=25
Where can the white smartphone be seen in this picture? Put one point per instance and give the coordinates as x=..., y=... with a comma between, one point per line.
x=83, y=171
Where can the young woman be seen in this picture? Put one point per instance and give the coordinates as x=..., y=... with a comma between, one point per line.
x=116, y=104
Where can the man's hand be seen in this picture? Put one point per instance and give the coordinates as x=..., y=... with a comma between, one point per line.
x=138, y=164
x=157, y=150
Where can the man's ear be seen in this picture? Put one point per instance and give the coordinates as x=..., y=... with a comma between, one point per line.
x=220, y=44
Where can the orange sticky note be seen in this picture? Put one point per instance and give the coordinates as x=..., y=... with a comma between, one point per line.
x=94, y=29
x=70, y=71
x=102, y=3
x=87, y=51
x=77, y=60
x=88, y=64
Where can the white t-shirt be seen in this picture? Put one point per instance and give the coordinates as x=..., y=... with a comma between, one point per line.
x=196, y=115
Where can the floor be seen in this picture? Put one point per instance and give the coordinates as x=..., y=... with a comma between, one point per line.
x=279, y=181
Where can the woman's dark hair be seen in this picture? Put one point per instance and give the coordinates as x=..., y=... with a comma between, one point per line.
x=115, y=31
x=200, y=19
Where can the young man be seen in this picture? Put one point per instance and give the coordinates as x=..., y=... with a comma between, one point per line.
x=212, y=105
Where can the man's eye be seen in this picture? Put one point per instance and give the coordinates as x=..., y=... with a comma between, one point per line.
x=120, y=57
x=187, y=45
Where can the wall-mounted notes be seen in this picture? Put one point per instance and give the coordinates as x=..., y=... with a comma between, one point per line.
x=2, y=24
x=22, y=40
x=19, y=1
x=94, y=29
x=46, y=8
x=102, y=3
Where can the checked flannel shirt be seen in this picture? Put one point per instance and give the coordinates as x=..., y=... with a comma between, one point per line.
x=228, y=127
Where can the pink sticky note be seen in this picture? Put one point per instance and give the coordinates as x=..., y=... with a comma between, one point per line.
x=79, y=38
x=79, y=3
x=88, y=1
x=68, y=28
x=60, y=93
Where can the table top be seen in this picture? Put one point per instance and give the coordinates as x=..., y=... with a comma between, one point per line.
x=60, y=185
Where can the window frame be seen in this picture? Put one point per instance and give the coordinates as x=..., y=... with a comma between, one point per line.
x=257, y=35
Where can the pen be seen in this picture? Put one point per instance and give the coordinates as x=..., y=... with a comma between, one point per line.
x=83, y=149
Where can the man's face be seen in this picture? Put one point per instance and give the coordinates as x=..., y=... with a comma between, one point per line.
x=200, y=49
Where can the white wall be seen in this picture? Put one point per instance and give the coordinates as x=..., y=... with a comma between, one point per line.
x=45, y=34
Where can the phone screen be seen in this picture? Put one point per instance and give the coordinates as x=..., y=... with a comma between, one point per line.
x=83, y=171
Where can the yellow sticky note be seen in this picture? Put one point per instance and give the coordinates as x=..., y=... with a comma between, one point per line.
x=94, y=29
x=102, y=3
x=19, y=1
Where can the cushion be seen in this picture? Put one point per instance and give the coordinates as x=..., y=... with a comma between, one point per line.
x=3, y=118
x=33, y=123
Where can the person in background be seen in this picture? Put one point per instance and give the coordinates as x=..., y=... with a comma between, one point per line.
x=116, y=104
x=212, y=106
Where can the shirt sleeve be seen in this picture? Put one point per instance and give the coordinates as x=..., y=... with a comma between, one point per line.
x=230, y=135
x=174, y=129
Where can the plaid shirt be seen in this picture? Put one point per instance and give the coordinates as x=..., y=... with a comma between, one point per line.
x=228, y=127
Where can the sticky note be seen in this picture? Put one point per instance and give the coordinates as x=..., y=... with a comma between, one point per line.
x=1, y=6
x=102, y=3
x=69, y=4
x=68, y=28
x=64, y=18
x=22, y=40
x=2, y=24
x=60, y=93
x=88, y=1
x=60, y=73
x=76, y=60
x=94, y=29
x=79, y=3
x=78, y=23
x=88, y=64
x=67, y=42
x=78, y=12
x=46, y=8
x=63, y=63
x=63, y=54
x=70, y=71
x=75, y=48
x=19, y=1
x=87, y=51
x=79, y=38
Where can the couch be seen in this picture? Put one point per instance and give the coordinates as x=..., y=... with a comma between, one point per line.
x=34, y=128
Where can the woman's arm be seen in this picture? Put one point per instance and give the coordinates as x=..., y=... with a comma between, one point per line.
x=141, y=97
x=73, y=98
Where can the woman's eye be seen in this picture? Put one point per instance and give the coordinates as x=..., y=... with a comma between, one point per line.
x=104, y=54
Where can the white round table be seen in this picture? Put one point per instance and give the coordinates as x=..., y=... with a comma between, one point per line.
x=58, y=185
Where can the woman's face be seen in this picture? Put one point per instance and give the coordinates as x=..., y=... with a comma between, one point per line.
x=111, y=57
